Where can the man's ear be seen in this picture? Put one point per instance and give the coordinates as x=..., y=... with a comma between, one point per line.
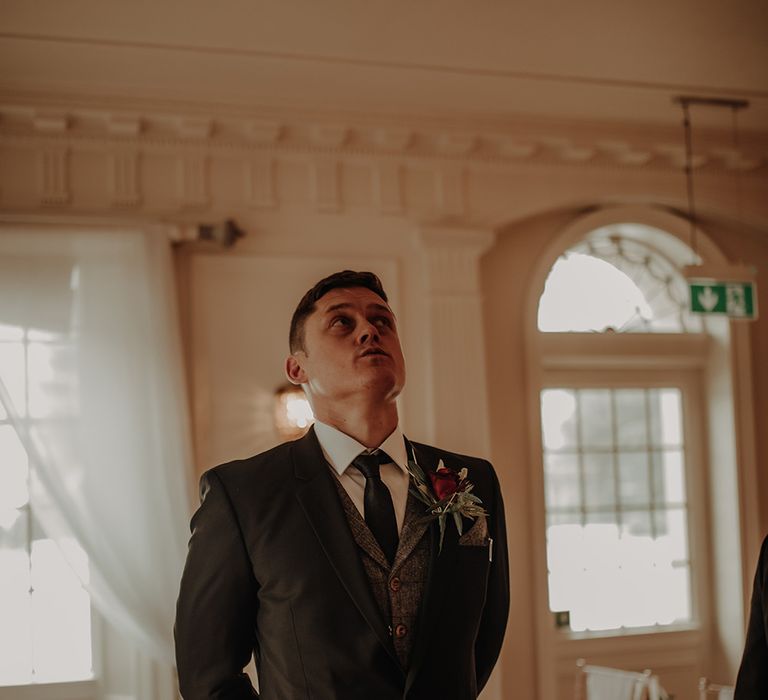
x=294, y=371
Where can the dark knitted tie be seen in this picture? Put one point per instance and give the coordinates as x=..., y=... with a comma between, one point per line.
x=379, y=512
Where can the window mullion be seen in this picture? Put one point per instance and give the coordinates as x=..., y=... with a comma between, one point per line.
x=580, y=460
x=615, y=461
x=649, y=462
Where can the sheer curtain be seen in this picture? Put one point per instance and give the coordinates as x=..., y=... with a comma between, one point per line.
x=103, y=416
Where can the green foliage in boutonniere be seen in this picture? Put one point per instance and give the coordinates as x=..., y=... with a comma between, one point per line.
x=450, y=494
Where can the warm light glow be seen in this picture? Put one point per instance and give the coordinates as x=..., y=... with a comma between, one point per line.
x=293, y=414
x=298, y=411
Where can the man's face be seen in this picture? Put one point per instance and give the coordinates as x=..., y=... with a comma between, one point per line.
x=351, y=347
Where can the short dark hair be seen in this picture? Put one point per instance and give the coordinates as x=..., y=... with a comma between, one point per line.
x=338, y=280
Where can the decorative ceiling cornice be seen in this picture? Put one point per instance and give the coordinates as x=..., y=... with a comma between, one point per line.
x=499, y=142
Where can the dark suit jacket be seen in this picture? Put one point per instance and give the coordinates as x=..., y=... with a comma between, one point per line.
x=273, y=569
x=752, y=681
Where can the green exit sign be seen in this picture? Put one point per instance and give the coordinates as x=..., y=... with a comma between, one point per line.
x=735, y=299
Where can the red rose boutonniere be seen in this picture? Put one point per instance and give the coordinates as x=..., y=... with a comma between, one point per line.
x=445, y=482
x=451, y=494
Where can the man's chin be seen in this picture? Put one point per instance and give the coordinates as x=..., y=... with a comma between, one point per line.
x=384, y=383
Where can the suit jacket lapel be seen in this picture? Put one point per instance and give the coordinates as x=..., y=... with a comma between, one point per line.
x=438, y=581
x=317, y=496
x=415, y=524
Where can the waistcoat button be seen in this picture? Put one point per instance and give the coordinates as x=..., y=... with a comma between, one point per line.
x=400, y=631
x=394, y=584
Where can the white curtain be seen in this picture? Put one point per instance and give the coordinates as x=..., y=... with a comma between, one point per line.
x=104, y=419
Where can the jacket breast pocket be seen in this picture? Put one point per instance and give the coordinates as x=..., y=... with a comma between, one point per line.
x=477, y=535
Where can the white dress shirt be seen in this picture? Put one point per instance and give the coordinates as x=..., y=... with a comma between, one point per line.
x=340, y=449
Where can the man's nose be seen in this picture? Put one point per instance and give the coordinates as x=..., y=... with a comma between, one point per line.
x=368, y=332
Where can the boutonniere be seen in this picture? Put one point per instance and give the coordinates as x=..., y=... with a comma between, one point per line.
x=447, y=493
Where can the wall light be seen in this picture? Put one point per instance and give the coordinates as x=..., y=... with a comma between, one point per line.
x=293, y=414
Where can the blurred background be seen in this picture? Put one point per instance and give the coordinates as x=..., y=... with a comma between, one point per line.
x=175, y=175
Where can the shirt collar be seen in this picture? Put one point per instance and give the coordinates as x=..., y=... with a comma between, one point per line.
x=340, y=449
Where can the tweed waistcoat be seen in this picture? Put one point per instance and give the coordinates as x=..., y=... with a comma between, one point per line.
x=398, y=588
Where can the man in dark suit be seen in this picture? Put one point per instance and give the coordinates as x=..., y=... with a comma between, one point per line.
x=327, y=557
x=752, y=681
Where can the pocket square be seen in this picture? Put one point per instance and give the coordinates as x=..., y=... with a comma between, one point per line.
x=477, y=535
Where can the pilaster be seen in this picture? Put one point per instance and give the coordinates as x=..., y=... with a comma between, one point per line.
x=458, y=377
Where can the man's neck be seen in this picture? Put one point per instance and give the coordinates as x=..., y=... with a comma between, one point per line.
x=369, y=425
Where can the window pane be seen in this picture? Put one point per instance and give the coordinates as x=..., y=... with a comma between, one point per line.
x=636, y=523
x=669, y=477
x=575, y=297
x=565, y=545
x=44, y=610
x=13, y=373
x=672, y=532
x=15, y=633
x=666, y=417
x=613, y=279
x=676, y=604
x=11, y=332
x=561, y=480
x=634, y=479
x=558, y=418
x=601, y=546
x=598, y=480
x=560, y=591
x=52, y=380
x=639, y=592
x=630, y=417
x=15, y=610
x=61, y=619
x=61, y=635
x=599, y=605
x=601, y=517
x=14, y=491
x=596, y=420
x=45, y=335
x=563, y=518
x=617, y=547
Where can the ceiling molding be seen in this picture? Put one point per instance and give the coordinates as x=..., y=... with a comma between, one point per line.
x=566, y=143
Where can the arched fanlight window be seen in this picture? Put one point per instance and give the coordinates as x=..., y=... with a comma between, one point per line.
x=616, y=457
x=619, y=279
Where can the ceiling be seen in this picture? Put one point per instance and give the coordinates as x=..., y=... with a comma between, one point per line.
x=591, y=61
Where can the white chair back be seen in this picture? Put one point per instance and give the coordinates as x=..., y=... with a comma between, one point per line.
x=603, y=683
x=713, y=691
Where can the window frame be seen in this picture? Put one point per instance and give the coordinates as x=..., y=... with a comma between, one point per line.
x=728, y=393
x=687, y=382
x=612, y=360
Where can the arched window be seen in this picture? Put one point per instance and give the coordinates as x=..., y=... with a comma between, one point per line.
x=621, y=278
x=642, y=454
x=616, y=453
